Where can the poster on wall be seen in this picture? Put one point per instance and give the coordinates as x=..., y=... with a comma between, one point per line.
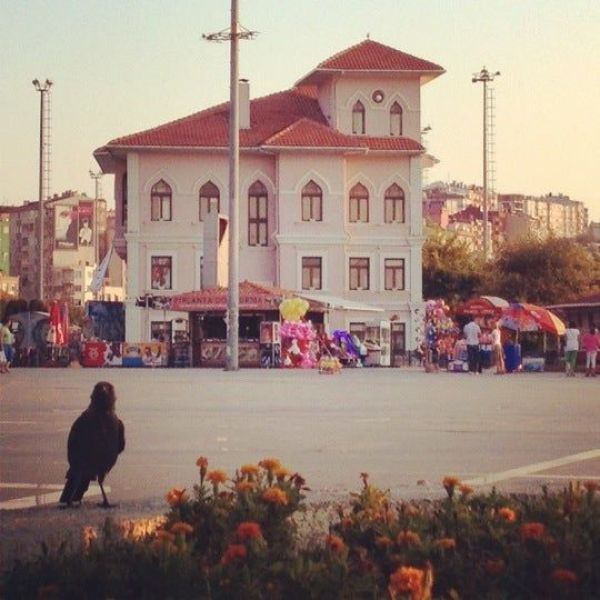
x=144, y=354
x=66, y=226
x=86, y=226
x=161, y=269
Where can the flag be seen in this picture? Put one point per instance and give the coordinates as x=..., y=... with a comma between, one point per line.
x=100, y=273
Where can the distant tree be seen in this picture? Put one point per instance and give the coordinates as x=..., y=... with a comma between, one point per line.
x=543, y=271
x=450, y=270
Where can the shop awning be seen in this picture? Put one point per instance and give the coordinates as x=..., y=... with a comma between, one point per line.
x=335, y=302
x=483, y=306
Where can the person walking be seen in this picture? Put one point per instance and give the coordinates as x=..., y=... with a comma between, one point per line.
x=472, y=333
x=571, y=348
x=497, y=349
x=96, y=439
x=7, y=340
x=591, y=344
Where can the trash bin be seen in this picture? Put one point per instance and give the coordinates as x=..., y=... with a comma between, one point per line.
x=512, y=357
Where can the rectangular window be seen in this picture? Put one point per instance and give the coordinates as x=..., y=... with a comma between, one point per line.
x=311, y=208
x=394, y=210
x=394, y=273
x=311, y=273
x=206, y=204
x=357, y=329
x=359, y=210
x=258, y=231
x=359, y=273
x=161, y=272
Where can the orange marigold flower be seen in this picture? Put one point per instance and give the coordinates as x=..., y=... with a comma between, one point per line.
x=494, y=566
x=450, y=482
x=533, y=531
x=408, y=538
x=165, y=536
x=406, y=580
x=217, y=476
x=564, y=575
x=508, y=514
x=202, y=462
x=275, y=495
x=249, y=530
x=335, y=544
x=465, y=489
x=176, y=496
x=270, y=464
x=280, y=473
x=246, y=486
x=234, y=552
x=249, y=470
x=181, y=527
x=591, y=486
x=383, y=541
x=445, y=543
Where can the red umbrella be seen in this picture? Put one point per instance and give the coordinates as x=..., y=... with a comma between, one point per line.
x=529, y=317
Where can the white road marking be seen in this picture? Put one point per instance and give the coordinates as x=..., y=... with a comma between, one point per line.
x=533, y=468
x=41, y=498
x=372, y=420
x=569, y=477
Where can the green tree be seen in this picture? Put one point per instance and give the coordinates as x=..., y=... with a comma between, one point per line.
x=543, y=271
x=450, y=270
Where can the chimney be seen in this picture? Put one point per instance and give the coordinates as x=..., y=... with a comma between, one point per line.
x=244, y=101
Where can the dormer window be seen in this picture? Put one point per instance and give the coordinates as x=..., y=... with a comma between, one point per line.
x=396, y=119
x=358, y=118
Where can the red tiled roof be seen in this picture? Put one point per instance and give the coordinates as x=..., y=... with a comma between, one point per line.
x=305, y=132
x=373, y=56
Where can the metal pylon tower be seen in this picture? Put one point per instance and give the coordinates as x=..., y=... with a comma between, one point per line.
x=491, y=147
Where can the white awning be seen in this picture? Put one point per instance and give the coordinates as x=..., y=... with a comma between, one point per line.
x=335, y=302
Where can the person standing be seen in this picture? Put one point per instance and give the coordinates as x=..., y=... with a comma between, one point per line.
x=7, y=340
x=497, y=349
x=591, y=343
x=472, y=333
x=96, y=439
x=571, y=348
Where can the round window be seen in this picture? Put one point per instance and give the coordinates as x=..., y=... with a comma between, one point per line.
x=378, y=96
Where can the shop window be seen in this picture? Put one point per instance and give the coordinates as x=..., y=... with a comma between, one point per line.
x=312, y=202
x=394, y=203
x=209, y=197
x=359, y=204
x=358, y=330
x=359, y=273
x=311, y=273
x=161, y=199
x=394, y=273
x=258, y=216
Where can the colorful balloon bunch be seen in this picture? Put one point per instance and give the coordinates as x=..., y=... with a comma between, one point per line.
x=293, y=309
x=298, y=347
x=299, y=331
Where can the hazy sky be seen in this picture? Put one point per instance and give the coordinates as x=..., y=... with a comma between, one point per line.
x=120, y=66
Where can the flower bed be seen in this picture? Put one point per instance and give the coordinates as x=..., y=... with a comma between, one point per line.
x=239, y=538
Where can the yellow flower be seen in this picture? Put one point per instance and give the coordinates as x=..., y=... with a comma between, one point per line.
x=408, y=538
x=564, y=575
x=445, y=543
x=270, y=464
x=509, y=515
x=176, y=496
x=406, y=580
x=181, y=527
x=217, y=476
x=275, y=495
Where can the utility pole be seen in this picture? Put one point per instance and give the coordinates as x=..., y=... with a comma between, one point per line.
x=44, y=171
x=485, y=76
x=233, y=35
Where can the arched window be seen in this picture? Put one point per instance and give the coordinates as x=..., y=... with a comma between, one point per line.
x=358, y=118
x=209, y=197
x=258, y=215
x=312, y=202
x=396, y=119
x=393, y=204
x=359, y=204
x=160, y=198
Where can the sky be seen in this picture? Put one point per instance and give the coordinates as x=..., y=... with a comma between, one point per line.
x=124, y=66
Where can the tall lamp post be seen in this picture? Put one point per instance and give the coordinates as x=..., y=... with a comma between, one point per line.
x=44, y=90
x=485, y=77
x=97, y=177
x=235, y=33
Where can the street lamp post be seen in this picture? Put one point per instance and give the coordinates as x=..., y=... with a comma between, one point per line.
x=485, y=77
x=44, y=90
x=97, y=177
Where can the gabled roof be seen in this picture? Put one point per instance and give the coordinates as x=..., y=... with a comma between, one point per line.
x=372, y=56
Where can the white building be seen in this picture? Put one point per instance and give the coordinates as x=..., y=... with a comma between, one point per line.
x=330, y=190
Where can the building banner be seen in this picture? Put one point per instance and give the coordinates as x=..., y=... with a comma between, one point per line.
x=86, y=224
x=66, y=226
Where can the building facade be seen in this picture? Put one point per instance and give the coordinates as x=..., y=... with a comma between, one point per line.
x=330, y=190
